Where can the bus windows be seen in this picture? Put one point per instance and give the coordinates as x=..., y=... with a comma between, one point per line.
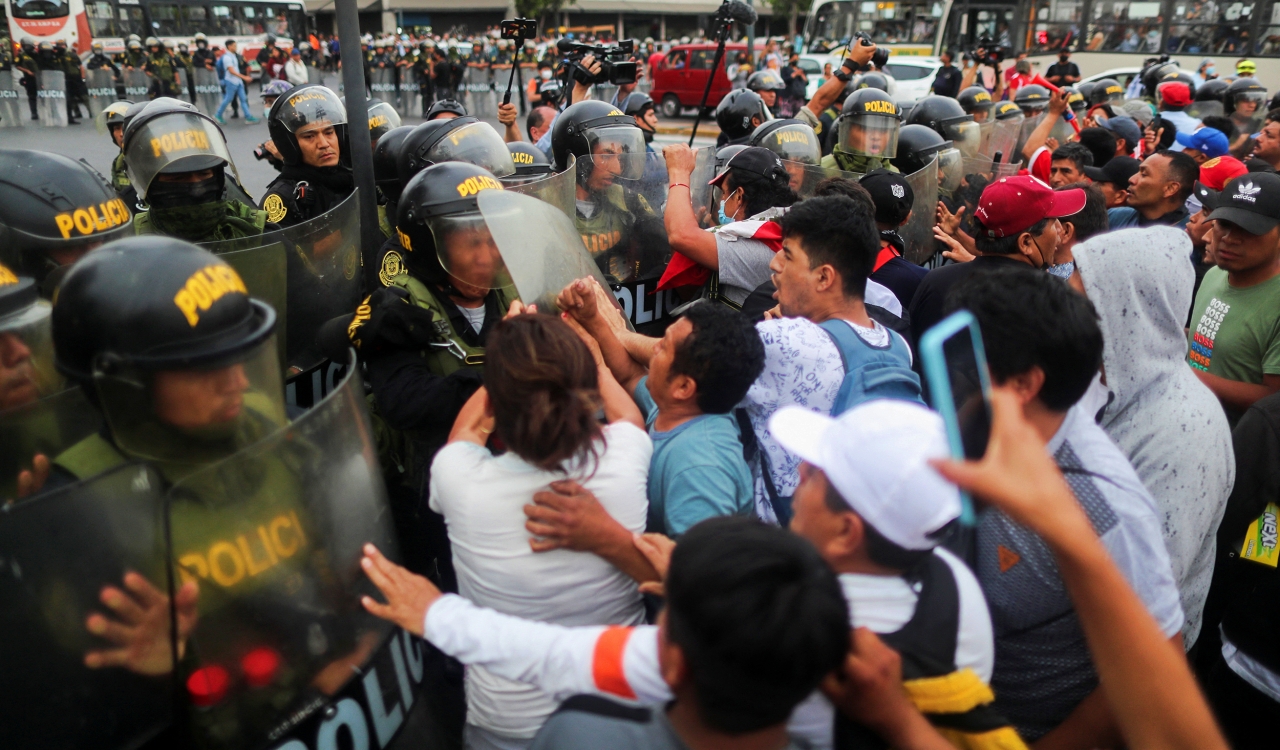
x=40, y=9
x=165, y=20
x=223, y=24
x=195, y=18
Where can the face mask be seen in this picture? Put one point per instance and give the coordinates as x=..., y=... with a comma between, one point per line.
x=724, y=218
x=1211, y=70
x=545, y=75
x=178, y=194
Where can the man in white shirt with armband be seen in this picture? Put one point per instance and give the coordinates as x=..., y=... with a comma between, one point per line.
x=873, y=508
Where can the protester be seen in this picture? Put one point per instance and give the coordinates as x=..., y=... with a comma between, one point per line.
x=1166, y=422
x=1113, y=179
x=1158, y=192
x=1235, y=334
x=1266, y=144
x=1089, y=221
x=541, y=393
x=893, y=197
x=1070, y=160
x=1127, y=131
x=1204, y=144
x=1101, y=143
x=1043, y=340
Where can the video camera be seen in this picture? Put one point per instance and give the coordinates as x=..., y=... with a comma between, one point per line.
x=991, y=55
x=616, y=65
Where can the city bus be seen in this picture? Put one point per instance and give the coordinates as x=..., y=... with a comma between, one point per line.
x=81, y=22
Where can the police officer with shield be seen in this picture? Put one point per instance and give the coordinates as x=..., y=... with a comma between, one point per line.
x=75, y=88
x=54, y=210
x=738, y=114
x=867, y=133
x=163, y=70
x=112, y=120
x=767, y=84
x=308, y=126
x=30, y=70
x=619, y=227
x=177, y=160
x=797, y=146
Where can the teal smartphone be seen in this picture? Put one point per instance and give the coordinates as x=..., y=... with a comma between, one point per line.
x=955, y=369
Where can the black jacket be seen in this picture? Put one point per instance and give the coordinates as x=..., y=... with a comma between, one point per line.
x=288, y=201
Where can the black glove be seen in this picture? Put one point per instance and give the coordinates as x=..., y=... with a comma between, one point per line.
x=388, y=321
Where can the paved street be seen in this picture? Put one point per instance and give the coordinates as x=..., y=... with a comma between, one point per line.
x=83, y=141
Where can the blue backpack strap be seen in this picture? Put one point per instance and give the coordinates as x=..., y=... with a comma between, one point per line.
x=873, y=376
x=752, y=452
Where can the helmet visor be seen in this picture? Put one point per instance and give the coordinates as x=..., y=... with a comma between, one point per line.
x=869, y=135
x=468, y=253
x=475, y=143
x=794, y=143
x=1248, y=102
x=382, y=119
x=311, y=106
x=193, y=416
x=173, y=143
x=619, y=150
x=26, y=367
x=950, y=168
x=965, y=135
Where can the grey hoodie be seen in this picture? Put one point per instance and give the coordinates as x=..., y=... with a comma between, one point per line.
x=1165, y=420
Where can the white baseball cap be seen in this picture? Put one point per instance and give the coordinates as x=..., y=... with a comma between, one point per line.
x=876, y=456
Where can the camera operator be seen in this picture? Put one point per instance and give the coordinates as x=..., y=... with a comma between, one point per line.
x=833, y=88
x=984, y=69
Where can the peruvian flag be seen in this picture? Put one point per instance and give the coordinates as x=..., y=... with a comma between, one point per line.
x=682, y=271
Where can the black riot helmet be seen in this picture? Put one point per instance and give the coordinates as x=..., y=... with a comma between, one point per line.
x=386, y=158
x=975, y=100
x=636, y=103
x=871, y=80
x=765, y=80
x=439, y=200
x=53, y=207
x=1213, y=90
x=1247, y=89
x=154, y=303
x=1075, y=100
x=172, y=137
x=725, y=154
x=791, y=140
x=304, y=108
x=530, y=161
x=947, y=118
x=1154, y=73
x=1106, y=91
x=868, y=124
x=463, y=139
x=583, y=126
x=1085, y=90
x=383, y=118
x=736, y=110
x=446, y=106
x=1007, y=111
x=917, y=145
x=1032, y=98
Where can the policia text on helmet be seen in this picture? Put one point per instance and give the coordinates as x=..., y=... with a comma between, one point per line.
x=308, y=126
x=177, y=160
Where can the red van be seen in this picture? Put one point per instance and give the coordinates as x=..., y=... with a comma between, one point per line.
x=681, y=77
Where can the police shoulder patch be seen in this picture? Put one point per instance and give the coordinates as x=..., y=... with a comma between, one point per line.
x=392, y=266
x=274, y=206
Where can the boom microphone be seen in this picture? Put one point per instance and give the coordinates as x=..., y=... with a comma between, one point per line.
x=565, y=46
x=736, y=10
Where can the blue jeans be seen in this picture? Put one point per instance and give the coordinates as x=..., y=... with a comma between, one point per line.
x=233, y=87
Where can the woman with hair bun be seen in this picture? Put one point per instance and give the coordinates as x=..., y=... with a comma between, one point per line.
x=542, y=394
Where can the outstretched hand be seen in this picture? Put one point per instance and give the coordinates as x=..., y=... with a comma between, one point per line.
x=568, y=516
x=139, y=626
x=408, y=595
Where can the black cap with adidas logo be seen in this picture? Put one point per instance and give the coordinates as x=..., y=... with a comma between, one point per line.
x=1251, y=201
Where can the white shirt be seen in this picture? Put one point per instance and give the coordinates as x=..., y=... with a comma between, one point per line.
x=295, y=71
x=474, y=316
x=566, y=661
x=482, y=497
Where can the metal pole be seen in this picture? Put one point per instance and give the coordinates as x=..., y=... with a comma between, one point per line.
x=751, y=41
x=348, y=22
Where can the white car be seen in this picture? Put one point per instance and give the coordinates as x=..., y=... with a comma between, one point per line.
x=812, y=67
x=1123, y=75
x=913, y=76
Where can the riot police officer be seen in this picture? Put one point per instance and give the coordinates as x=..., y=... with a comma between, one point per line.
x=531, y=163
x=1242, y=102
x=796, y=145
x=866, y=133
x=454, y=139
x=177, y=160
x=872, y=79
x=75, y=88
x=98, y=60
x=383, y=118
x=976, y=100
x=113, y=119
x=1033, y=99
x=30, y=70
x=446, y=109
x=53, y=210
x=162, y=69
x=767, y=84
x=308, y=126
x=25, y=358
x=640, y=106
x=619, y=227
x=182, y=60
x=423, y=73
x=133, y=57
x=947, y=118
x=203, y=57
x=738, y=114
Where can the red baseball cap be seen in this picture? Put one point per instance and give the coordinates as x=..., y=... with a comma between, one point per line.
x=1012, y=205
x=1175, y=93
x=1215, y=173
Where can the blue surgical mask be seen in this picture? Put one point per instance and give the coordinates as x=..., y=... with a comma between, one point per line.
x=724, y=218
x=1211, y=70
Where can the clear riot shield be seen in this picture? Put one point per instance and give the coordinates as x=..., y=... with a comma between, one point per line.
x=45, y=427
x=101, y=84
x=59, y=550
x=704, y=197
x=481, y=101
x=539, y=245
x=208, y=91
x=984, y=168
x=1201, y=110
x=558, y=189
x=51, y=101
x=183, y=91
x=917, y=233
x=410, y=97
x=382, y=84
x=624, y=233
x=310, y=273
x=13, y=100
x=1000, y=137
x=137, y=83
x=273, y=537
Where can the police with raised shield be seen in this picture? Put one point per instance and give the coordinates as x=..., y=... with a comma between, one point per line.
x=308, y=126
x=867, y=133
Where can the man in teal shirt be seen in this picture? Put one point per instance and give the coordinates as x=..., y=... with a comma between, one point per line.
x=697, y=373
